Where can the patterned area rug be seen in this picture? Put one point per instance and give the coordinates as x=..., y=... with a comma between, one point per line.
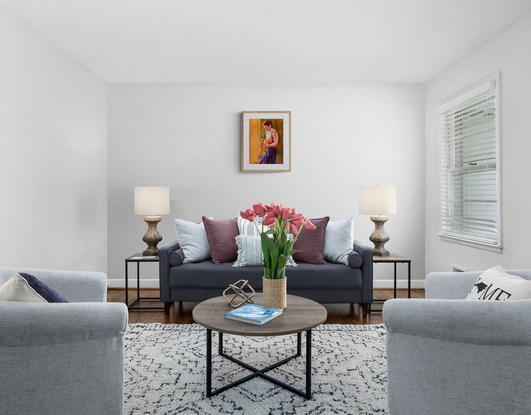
x=165, y=372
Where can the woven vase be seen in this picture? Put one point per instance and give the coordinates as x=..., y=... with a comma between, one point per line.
x=275, y=293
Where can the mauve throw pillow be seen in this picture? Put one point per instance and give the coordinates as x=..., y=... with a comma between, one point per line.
x=311, y=243
x=221, y=236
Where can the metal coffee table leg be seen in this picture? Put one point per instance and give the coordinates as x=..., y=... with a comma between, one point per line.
x=260, y=372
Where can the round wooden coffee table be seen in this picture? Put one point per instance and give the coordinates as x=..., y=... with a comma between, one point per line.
x=301, y=315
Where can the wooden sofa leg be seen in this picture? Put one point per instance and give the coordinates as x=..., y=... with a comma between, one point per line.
x=167, y=308
x=365, y=309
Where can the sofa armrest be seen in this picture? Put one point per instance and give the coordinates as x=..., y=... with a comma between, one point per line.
x=74, y=286
x=464, y=321
x=366, y=270
x=164, y=269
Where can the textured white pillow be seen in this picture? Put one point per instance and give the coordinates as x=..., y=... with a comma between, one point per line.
x=339, y=240
x=192, y=240
x=248, y=228
x=17, y=288
x=250, y=252
x=496, y=284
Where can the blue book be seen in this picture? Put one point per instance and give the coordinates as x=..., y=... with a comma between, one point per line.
x=254, y=314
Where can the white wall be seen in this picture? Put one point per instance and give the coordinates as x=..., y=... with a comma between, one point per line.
x=187, y=136
x=508, y=52
x=53, y=210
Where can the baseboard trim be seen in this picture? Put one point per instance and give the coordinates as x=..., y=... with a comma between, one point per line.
x=144, y=283
x=401, y=283
x=153, y=283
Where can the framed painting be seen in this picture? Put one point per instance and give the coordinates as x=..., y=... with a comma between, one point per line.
x=266, y=141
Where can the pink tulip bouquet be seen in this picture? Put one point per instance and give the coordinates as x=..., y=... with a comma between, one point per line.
x=277, y=246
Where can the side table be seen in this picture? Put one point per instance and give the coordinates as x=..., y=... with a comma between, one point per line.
x=138, y=258
x=394, y=259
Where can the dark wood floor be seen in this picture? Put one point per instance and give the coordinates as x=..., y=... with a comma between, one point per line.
x=182, y=313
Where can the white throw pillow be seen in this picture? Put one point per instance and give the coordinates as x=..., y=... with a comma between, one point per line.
x=17, y=288
x=339, y=240
x=192, y=240
x=250, y=252
x=496, y=284
x=248, y=228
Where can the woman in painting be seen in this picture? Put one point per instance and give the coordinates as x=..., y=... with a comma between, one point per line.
x=271, y=143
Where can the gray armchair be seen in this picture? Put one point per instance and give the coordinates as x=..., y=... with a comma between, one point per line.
x=62, y=358
x=446, y=355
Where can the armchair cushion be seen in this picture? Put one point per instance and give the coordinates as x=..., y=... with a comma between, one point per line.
x=495, y=284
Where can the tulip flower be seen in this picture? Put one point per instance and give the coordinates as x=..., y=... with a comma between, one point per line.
x=249, y=215
x=277, y=244
x=259, y=209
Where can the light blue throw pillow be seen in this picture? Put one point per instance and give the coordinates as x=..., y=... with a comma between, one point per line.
x=339, y=240
x=193, y=241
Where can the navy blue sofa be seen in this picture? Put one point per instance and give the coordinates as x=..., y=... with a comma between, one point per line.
x=324, y=283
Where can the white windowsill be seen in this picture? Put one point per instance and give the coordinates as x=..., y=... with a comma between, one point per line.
x=492, y=248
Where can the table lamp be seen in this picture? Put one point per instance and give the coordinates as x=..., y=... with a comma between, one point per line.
x=152, y=201
x=378, y=201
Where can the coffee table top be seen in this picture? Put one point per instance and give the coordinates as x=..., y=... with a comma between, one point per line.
x=301, y=314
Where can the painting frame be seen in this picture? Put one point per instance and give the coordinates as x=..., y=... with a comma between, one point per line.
x=255, y=156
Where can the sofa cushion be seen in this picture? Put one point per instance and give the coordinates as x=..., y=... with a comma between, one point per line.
x=221, y=235
x=206, y=274
x=339, y=240
x=193, y=241
x=311, y=242
x=26, y=287
x=496, y=284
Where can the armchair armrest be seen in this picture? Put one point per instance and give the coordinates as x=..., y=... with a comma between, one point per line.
x=464, y=321
x=74, y=286
x=62, y=358
x=458, y=356
x=365, y=252
x=36, y=324
x=164, y=269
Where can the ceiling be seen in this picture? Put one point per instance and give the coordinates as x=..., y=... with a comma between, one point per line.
x=267, y=40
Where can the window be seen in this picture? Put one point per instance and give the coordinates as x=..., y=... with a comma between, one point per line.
x=470, y=185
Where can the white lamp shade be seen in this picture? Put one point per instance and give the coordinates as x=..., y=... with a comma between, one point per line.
x=152, y=200
x=378, y=200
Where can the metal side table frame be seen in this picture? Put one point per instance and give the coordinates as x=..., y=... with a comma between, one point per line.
x=138, y=258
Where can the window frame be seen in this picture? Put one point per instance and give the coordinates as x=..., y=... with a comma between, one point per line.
x=452, y=102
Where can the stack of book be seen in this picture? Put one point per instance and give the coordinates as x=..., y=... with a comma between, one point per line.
x=254, y=314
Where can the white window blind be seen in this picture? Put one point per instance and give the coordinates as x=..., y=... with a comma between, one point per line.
x=470, y=188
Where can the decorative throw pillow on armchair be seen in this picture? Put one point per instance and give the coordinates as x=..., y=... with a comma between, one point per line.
x=26, y=287
x=497, y=285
